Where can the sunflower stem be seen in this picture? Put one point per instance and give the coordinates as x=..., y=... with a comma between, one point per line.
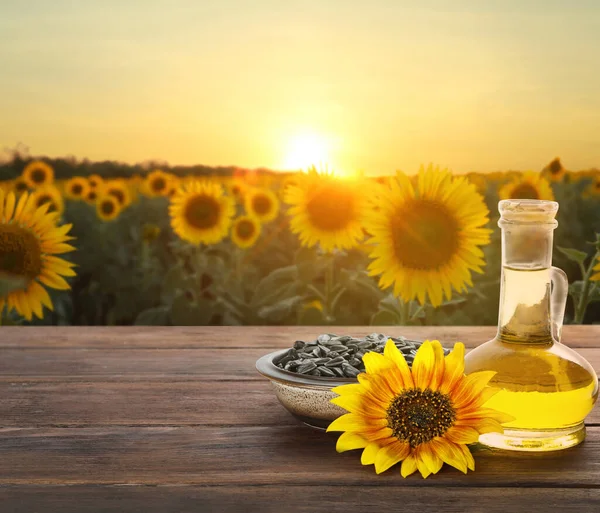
x=404, y=312
x=329, y=279
x=583, y=299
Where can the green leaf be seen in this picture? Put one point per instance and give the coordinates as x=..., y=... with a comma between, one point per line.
x=384, y=318
x=573, y=254
x=311, y=317
x=271, y=285
x=157, y=316
x=279, y=311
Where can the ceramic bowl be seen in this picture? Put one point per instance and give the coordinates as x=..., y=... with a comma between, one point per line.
x=305, y=397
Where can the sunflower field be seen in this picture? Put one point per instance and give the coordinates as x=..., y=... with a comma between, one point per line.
x=170, y=247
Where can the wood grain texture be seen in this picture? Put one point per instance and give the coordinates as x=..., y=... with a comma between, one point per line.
x=238, y=455
x=294, y=499
x=234, y=403
x=178, y=419
x=270, y=337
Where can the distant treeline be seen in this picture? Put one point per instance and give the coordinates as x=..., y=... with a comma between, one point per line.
x=65, y=168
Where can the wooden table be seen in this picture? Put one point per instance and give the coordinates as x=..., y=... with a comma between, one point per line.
x=177, y=419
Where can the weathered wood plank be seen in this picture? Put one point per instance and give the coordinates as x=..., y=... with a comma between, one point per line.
x=165, y=365
x=249, y=336
x=245, y=456
x=293, y=499
x=35, y=404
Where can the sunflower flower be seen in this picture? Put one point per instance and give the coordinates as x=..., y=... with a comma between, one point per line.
x=29, y=243
x=76, y=188
x=262, y=204
x=423, y=417
x=95, y=181
x=327, y=210
x=555, y=171
x=245, y=231
x=426, y=239
x=37, y=174
x=19, y=186
x=596, y=275
x=528, y=185
x=119, y=189
x=158, y=183
x=108, y=207
x=200, y=212
x=49, y=194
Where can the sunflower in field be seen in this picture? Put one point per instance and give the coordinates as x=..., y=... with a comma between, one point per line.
x=327, y=210
x=76, y=188
x=158, y=183
x=95, y=181
x=51, y=195
x=119, y=189
x=37, y=174
x=200, y=212
x=479, y=181
x=245, y=231
x=262, y=204
x=554, y=171
x=427, y=238
x=29, y=241
x=108, y=207
x=421, y=417
x=19, y=186
x=528, y=185
x=92, y=196
x=237, y=188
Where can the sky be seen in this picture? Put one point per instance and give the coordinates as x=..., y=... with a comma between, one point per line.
x=376, y=85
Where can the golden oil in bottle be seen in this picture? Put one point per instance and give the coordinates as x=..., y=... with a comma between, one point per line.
x=547, y=387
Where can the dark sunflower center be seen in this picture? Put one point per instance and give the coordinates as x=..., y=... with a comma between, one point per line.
x=118, y=194
x=202, y=212
x=159, y=184
x=555, y=167
x=245, y=229
x=107, y=207
x=92, y=195
x=525, y=191
x=20, y=186
x=77, y=189
x=261, y=204
x=45, y=198
x=418, y=416
x=331, y=208
x=20, y=251
x=38, y=176
x=425, y=235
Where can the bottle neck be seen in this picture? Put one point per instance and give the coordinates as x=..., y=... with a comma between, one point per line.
x=525, y=290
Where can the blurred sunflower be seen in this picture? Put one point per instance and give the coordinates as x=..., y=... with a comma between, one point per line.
x=95, y=181
x=596, y=276
x=479, y=181
x=158, y=183
x=326, y=210
x=245, y=231
x=200, y=212
x=29, y=241
x=92, y=196
x=119, y=189
x=51, y=195
x=108, y=207
x=76, y=188
x=555, y=170
x=427, y=238
x=528, y=185
x=237, y=188
x=262, y=204
x=421, y=417
x=20, y=186
x=37, y=174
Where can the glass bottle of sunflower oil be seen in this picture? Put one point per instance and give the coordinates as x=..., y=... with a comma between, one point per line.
x=548, y=388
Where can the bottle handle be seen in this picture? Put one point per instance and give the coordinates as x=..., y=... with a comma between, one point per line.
x=558, y=300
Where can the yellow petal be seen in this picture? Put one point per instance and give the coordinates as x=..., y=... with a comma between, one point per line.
x=487, y=426
x=53, y=280
x=349, y=442
x=375, y=363
x=439, y=366
x=409, y=466
x=483, y=413
x=449, y=453
x=454, y=368
x=9, y=205
x=392, y=352
x=468, y=456
x=431, y=460
x=355, y=423
x=42, y=294
x=390, y=455
x=470, y=387
x=462, y=435
x=370, y=453
x=423, y=365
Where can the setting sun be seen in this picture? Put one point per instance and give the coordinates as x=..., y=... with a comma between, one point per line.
x=305, y=150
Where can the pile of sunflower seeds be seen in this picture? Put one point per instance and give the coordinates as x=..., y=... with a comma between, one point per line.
x=340, y=356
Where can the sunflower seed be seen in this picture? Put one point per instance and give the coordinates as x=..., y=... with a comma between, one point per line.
x=323, y=338
x=350, y=371
x=306, y=367
x=326, y=372
x=335, y=361
x=322, y=361
x=299, y=344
